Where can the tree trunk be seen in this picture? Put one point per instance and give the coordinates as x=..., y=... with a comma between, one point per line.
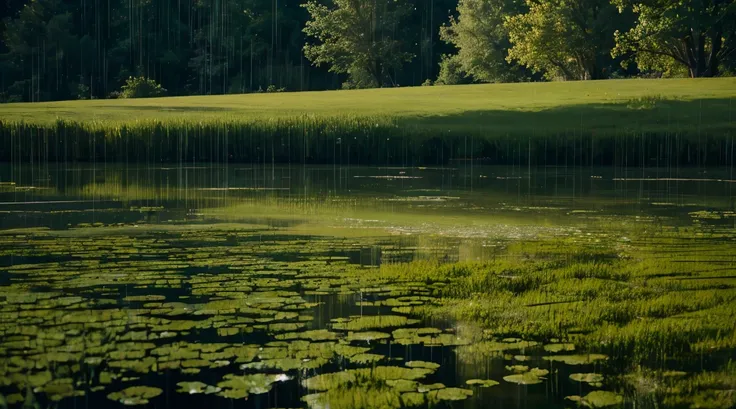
x=377, y=71
x=698, y=64
x=716, y=43
x=591, y=69
x=692, y=60
x=700, y=55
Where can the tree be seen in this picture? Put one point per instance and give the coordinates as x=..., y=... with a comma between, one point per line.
x=359, y=37
x=565, y=39
x=481, y=39
x=696, y=34
x=40, y=50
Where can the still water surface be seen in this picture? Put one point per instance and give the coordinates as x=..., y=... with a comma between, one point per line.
x=234, y=286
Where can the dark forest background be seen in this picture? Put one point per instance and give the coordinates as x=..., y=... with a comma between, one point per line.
x=81, y=49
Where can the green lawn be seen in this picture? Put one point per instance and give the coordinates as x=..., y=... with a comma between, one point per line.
x=606, y=105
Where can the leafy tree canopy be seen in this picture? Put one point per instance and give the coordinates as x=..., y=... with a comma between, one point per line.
x=696, y=35
x=359, y=37
x=564, y=39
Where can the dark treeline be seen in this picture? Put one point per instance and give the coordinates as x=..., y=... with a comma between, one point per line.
x=63, y=49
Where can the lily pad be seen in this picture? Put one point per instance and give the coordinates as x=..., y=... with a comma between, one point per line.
x=283, y=364
x=365, y=358
x=428, y=337
x=554, y=348
x=532, y=377
x=194, y=363
x=581, y=359
x=237, y=387
x=422, y=364
x=517, y=368
x=598, y=399
x=430, y=387
x=196, y=388
x=59, y=389
x=403, y=385
x=449, y=394
x=313, y=335
x=367, y=336
x=333, y=380
x=483, y=383
x=135, y=395
x=349, y=350
x=415, y=332
x=593, y=379
x=150, y=297
x=14, y=398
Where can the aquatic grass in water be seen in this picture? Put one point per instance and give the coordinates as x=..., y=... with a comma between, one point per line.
x=635, y=317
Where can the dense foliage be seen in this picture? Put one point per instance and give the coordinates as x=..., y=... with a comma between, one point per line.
x=482, y=41
x=59, y=49
x=359, y=38
x=141, y=87
x=565, y=39
x=698, y=37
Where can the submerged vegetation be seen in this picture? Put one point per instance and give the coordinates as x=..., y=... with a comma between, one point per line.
x=640, y=301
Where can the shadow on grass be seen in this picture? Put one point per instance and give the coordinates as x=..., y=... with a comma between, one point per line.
x=641, y=115
x=148, y=108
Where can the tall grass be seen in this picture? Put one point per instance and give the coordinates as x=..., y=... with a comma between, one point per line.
x=350, y=140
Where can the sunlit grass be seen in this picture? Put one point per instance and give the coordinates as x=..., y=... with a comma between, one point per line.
x=403, y=102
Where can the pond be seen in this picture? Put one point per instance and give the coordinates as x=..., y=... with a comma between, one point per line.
x=465, y=286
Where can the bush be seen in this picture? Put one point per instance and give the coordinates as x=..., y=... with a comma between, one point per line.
x=358, y=78
x=273, y=88
x=141, y=87
x=5, y=97
x=451, y=72
x=82, y=91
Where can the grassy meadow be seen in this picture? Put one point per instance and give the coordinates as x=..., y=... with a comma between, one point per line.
x=525, y=107
x=618, y=122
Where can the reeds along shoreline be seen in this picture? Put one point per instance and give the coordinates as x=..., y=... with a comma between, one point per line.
x=353, y=141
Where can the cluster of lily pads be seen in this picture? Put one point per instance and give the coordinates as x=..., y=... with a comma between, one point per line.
x=233, y=311
x=109, y=314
